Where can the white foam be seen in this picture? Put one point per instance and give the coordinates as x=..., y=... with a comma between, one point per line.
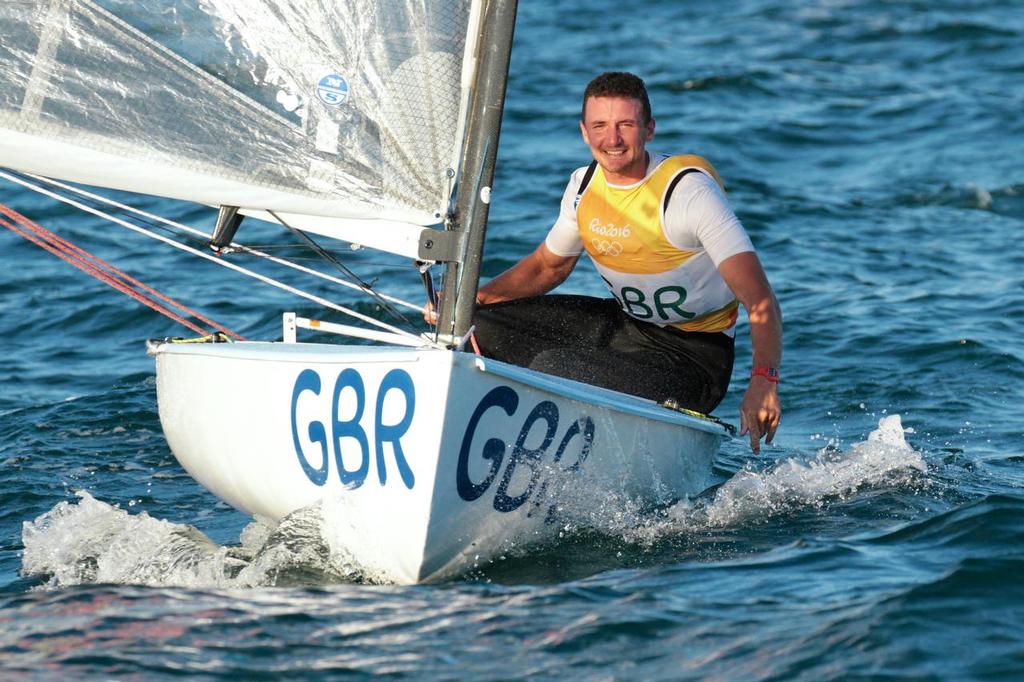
x=885, y=458
x=982, y=197
x=749, y=497
x=94, y=542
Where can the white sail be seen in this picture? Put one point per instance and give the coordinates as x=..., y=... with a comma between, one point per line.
x=350, y=110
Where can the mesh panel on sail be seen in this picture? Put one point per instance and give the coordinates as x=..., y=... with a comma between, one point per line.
x=348, y=109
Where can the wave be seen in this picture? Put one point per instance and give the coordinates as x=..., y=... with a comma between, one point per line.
x=92, y=542
x=1007, y=200
x=743, y=82
x=884, y=459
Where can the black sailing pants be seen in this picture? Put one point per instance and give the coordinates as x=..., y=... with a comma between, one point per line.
x=591, y=340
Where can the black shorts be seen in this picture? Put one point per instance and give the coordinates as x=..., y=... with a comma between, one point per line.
x=591, y=340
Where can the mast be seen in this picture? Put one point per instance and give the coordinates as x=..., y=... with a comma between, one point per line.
x=477, y=167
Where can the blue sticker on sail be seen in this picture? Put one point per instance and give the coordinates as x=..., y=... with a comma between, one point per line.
x=332, y=90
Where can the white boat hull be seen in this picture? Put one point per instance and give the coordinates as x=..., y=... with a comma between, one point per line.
x=427, y=462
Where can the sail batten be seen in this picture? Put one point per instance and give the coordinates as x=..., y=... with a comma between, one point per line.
x=337, y=110
x=45, y=54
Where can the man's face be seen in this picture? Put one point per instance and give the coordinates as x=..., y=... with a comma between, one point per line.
x=615, y=129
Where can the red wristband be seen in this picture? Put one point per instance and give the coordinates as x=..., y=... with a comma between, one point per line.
x=769, y=373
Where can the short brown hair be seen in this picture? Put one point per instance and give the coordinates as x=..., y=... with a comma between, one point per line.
x=617, y=84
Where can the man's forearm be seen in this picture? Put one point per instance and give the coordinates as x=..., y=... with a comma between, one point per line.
x=766, y=332
x=745, y=276
x=760, y=410
x=520, y=281
x=537, y=274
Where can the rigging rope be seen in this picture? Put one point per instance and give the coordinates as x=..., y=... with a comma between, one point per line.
x=353, y=277
x=215, y=259
x=106, y=273
x=190, y=230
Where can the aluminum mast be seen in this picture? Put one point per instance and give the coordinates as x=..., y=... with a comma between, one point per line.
x=477, y=167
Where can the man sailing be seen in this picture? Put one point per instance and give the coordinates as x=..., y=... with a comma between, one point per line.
x=678, y=264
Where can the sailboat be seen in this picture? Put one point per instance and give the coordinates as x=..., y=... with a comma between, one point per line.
x=374, y=124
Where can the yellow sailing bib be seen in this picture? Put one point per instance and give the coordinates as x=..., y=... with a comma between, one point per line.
x=622, y=229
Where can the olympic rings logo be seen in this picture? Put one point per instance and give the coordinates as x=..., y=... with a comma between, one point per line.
x=606, y=248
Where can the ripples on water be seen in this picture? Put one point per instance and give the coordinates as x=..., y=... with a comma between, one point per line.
x=873, y=151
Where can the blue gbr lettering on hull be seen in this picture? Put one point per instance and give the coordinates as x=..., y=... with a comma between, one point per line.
x=542, y=421
x=347, y=436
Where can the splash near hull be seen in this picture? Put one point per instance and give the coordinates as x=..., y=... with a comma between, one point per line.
x=424, y=462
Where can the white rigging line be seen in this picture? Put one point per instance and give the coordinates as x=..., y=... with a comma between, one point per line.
x=199, y=233
x=267, y=280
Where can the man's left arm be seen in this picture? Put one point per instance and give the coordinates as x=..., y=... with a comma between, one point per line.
x=760, y=410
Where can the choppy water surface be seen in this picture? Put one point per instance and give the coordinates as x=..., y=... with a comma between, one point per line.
x=873, y=152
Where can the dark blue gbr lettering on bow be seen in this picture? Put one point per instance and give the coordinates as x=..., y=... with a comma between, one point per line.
x=347, y=436
x=542, y=421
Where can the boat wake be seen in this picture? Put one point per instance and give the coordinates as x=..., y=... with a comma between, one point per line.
x=884, y=459
x=89, y=541
x=754, y=495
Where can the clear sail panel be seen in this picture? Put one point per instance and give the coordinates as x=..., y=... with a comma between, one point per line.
x=319, y=107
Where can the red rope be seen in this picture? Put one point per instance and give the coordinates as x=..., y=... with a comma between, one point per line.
x=104, y=277
x=105, y=268
x=105, y=272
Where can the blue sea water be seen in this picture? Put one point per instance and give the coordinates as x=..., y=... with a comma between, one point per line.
x=872, y=149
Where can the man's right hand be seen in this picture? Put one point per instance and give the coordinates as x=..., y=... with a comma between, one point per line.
x=429, y=314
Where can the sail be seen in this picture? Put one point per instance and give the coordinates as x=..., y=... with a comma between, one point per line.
x=350, y=110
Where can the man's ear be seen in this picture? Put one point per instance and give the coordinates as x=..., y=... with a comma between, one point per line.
x=583, y=131
x=650, y=130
